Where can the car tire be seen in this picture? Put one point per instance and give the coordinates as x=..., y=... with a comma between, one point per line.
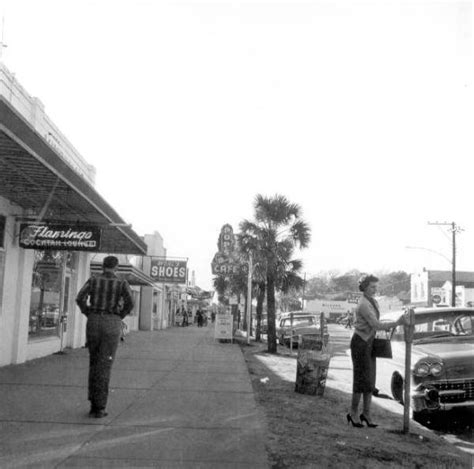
x=424, y=418
x=397, y=387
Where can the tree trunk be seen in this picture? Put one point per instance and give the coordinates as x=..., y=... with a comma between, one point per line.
x=272, y=339
x=260, y=300
x=312, y=366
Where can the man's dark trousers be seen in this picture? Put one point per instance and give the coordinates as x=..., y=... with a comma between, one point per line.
x=103, y=336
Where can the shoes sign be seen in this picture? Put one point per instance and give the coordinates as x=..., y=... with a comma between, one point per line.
x=227, y=260
x=168, y=271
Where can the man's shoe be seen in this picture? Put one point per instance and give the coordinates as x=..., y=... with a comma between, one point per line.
x=100, y=414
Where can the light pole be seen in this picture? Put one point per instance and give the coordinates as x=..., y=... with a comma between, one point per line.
x=249, y=295
x=304, y=286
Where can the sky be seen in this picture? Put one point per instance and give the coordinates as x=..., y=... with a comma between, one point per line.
x=359, y=112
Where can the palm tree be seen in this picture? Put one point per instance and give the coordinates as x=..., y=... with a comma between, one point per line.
x=278, y=228
x=220, y=285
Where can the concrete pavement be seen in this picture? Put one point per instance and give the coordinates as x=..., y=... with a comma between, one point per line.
x=179, y=399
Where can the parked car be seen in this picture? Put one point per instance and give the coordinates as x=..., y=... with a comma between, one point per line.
x=303, y=324
x=442, y=362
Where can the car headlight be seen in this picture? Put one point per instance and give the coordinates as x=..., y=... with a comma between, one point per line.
x=421, y=369
x=436, y=369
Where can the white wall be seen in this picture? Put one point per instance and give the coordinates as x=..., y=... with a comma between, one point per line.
x=155, y=247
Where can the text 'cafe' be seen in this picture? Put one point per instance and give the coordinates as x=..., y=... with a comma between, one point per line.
x=52, y=224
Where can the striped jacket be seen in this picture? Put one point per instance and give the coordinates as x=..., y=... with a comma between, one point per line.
x=106, y=293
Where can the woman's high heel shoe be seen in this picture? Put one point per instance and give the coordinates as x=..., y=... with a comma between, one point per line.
x=363, y=418
x=354, y=424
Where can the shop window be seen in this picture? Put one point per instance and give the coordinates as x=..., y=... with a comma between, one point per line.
x=46, y=295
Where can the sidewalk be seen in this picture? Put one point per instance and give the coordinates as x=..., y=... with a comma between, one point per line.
x=179, y=399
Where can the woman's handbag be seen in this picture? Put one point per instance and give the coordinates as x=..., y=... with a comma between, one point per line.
x=382, y=348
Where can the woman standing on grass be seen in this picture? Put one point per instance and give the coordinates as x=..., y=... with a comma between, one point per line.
x=366, y=324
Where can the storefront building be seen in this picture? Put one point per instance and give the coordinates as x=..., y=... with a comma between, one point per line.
x=434, y=288
x=52, y=222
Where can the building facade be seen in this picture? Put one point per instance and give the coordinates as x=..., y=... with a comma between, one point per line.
x=434, y=288
x=52, y=223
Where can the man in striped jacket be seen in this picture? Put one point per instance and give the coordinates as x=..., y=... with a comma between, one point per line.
x=105, y=300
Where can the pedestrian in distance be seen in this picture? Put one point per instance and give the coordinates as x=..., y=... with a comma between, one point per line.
x=105, y=300
x=348, y=320
x=200, y=317
x=185, y=318
x=367, y=323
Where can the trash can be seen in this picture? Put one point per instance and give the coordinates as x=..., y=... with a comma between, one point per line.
x=312, y=366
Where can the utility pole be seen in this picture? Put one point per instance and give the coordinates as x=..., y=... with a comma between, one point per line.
x=304, y=285
x=249, y=296
x=454, y=229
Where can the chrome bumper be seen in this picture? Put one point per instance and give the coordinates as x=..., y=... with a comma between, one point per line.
x=427, y=397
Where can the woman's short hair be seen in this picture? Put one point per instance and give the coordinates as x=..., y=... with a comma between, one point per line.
x=366, y=280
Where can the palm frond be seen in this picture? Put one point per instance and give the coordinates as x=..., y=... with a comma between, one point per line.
x=301, y=233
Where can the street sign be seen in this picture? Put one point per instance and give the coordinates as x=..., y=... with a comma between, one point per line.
x=223, y=329
x=436, y=299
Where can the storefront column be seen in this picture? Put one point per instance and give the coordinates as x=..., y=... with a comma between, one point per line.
x=76, y=321
x=22, y=306
x=146, y=309
x=15, y=296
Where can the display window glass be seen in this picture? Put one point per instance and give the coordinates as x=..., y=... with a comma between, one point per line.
x=50, y=287
x=136, y=303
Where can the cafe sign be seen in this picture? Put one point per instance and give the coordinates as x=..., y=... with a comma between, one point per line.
x=168, y=271
x=227, y=261
x=44, y=236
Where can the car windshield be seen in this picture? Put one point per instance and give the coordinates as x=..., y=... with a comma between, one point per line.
x=298, y=322
x=432, y=326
